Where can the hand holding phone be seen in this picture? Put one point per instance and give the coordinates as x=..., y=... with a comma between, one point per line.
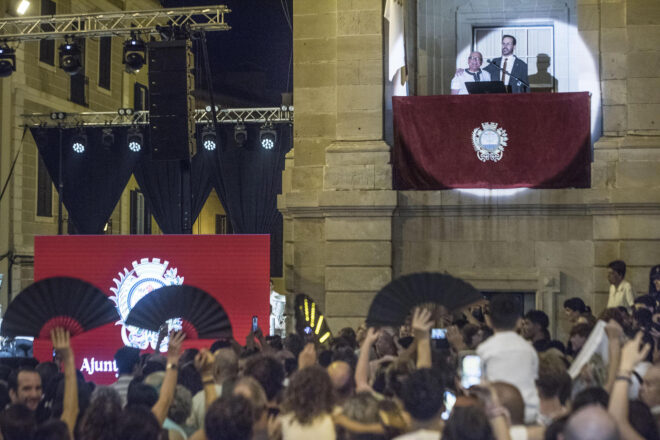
x=255, y=323
x=470, y=370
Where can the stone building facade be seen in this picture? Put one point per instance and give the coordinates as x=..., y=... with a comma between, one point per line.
x=347, y=232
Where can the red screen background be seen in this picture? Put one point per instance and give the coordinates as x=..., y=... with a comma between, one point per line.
x=232, y=268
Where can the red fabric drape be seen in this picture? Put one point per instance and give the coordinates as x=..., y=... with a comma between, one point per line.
x=548, y=141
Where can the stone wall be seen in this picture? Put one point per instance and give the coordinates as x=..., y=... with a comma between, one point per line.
x=347, y=233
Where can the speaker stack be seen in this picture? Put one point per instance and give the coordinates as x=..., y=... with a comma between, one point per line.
x=171, y=100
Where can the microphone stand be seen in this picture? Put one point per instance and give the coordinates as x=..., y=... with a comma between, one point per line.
x=512, y=76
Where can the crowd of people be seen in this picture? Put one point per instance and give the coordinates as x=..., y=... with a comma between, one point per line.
x=415, y=382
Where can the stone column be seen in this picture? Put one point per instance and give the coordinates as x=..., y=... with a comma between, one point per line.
x=337, y=199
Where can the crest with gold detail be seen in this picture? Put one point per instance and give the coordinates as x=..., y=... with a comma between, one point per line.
x=489, y=141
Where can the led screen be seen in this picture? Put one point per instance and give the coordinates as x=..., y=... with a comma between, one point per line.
x=232, y=268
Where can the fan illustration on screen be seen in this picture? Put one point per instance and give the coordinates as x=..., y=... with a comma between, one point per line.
x=201, y=315
x=393, y=303
x=309, y=319
x=57, y=302
x=133, y=285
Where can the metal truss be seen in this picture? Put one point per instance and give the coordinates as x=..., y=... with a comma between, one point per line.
x=274, y=115
x=107, y=24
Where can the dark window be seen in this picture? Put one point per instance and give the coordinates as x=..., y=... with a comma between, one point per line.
x=47, y=47
x=44, y=190
x=140, y=214
x=141, y=97
x=105, y=55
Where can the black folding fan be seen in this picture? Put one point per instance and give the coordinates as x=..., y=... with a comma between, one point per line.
x=57, y=302
x=393, y=303
x=309, y=319
x=202, y=315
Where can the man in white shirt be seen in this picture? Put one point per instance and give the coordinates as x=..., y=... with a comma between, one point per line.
x=621, y=292
x=472, y=74
x=507, y=356
x=509, y=65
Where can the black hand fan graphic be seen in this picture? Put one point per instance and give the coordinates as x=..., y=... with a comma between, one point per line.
x=309, y=319
x=57, y=302
x=393, y=303
x=202, y=315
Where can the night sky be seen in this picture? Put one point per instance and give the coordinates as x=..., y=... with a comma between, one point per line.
x=258, y=46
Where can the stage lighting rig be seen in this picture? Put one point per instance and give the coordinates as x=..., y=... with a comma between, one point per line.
x=125, y=111
x=209, y=137
x=7, y=61
x=57, y=116
x=240, y=133
x=22, y=7
x=134, y=139
x=135, y=51
x=267, y=136
x=70, y=57
x=79, y=142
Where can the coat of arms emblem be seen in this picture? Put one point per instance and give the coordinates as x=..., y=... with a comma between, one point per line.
x=489, y=141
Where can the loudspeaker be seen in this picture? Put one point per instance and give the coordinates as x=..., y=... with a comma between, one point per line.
x=171, y=102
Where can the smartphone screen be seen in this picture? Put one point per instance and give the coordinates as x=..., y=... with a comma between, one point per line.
x=255, y=323
x=438, y=333
x=470, y=370
x=450, y=400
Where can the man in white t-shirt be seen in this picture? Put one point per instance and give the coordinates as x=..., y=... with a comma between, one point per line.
x=472, y=74
x=621, y=292
x=508, y=357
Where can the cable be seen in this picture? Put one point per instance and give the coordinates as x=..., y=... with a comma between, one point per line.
x=11, y=170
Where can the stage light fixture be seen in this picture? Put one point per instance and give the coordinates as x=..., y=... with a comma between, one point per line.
x=125, y=111
x=208, y=108
x=7, y=61
x=240, y=134
x=70, y=58
x=267, y=136
x=107, y=137
x=134, y=139
x=57, y=116
x=135, y=51
x=22, y=7
x=209, y=137
x=79, y=142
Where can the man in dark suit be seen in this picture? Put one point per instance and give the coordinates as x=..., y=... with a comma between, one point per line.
x=512, y=65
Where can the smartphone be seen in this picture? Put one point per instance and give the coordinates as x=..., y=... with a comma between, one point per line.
x=438, y=333
x=255, y=323
x=450, y=400
x=470, y=370
x=307, y=330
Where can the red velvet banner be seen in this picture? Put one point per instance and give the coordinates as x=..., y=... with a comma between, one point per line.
x=527, y=140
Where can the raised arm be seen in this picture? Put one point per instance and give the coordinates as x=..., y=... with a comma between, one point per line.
x=62, y=346
x=632, y=353
x=421, y=324
x=362, y=367
x=614, y=334
x=204, y=363
x=162, y=406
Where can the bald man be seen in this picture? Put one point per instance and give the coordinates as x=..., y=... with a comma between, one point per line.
x=342, y=377
x=649, y=393
x=591, y=422
x=472, y=74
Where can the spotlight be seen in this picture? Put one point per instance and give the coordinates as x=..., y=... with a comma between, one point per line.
x=267, y=136
x=22, y=7
x=134, y=54
x=125, y=111
x=134, y=139
x=79, y=142
x=208, y=108
x=107, y=137
x=57, y=115
x=70, y=58
x=240, y=134
x=7, y=61
x=209, y=138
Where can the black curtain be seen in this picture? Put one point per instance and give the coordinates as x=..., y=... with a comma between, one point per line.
x=160, y=182
x=247, y=179
x=94, y=179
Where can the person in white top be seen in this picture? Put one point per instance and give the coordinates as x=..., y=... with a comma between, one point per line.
x=507, y=356
x=621, y=292
x=472, y=74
